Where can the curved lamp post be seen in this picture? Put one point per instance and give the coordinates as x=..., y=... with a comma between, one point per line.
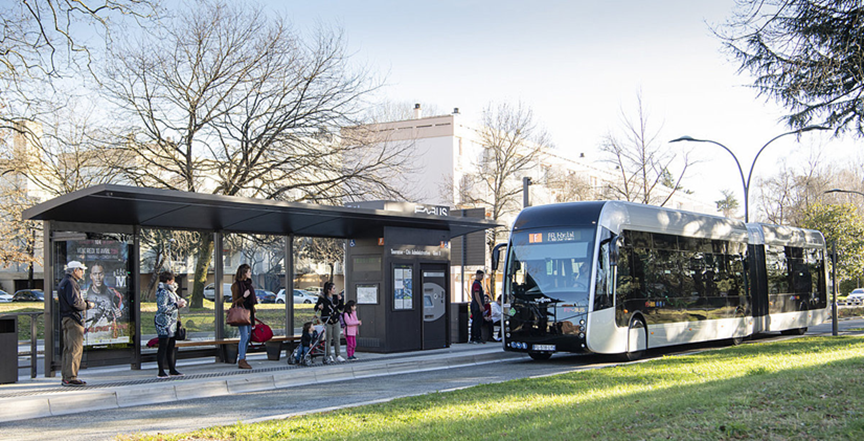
x=746, y=182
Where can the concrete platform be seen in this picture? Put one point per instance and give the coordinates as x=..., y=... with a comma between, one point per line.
x=120, y=386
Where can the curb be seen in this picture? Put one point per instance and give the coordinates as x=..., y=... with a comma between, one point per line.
x=73, y=402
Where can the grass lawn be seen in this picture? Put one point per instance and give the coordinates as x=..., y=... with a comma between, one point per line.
x=806, y=388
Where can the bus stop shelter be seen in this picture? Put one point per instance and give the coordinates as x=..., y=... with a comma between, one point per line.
x=91, y=219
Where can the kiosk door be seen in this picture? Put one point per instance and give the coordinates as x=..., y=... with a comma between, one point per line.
x=434, y=280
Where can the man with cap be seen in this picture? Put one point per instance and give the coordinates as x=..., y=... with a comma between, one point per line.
x=72, y=308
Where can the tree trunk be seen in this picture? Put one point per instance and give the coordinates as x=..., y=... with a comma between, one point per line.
x=202, y=266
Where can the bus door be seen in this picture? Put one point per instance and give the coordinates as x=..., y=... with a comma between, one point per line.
x=758, y=286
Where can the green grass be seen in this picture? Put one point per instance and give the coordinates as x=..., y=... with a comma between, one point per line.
x=806, y=388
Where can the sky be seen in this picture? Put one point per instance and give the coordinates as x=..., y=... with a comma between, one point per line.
x=579, y=65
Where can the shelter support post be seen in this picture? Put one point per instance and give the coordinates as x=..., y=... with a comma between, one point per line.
x=289, y=285
x=136, y=296
x=219, y=322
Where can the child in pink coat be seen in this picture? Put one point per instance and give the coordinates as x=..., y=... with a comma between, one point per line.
x=352, y=326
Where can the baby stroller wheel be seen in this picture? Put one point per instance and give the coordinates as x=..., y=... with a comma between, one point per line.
x=307, y=362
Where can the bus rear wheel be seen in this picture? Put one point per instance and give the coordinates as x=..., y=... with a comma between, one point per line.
x=797, y=331
x=539, y=356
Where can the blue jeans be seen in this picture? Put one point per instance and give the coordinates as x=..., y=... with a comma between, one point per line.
x=302, y=350
x=244, y=341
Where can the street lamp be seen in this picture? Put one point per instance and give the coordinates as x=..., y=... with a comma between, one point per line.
x=837, y=190
x=746, y=182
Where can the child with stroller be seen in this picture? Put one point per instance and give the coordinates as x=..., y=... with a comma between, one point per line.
x=309, y=335
x=352, y=326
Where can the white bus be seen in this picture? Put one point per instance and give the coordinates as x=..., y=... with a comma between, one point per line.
x=616, y=277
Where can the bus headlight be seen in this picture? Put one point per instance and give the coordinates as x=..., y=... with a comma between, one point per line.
x=582, y=322
x=582, y=335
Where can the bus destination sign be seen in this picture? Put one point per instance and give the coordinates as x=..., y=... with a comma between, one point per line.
x=554, y=236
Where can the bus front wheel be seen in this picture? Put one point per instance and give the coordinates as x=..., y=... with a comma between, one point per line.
x=637, y=339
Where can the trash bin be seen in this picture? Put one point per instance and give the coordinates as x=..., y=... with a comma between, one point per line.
x=8, y=349
x=458, y=323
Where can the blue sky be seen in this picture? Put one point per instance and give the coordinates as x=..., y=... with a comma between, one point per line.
x=578, y=64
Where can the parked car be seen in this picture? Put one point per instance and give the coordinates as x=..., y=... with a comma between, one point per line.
x=314, y=290
x=5, y=297
x=210, y=292
x=856, y=297
x=300, y=296
x=28, y=295
x=265, y=296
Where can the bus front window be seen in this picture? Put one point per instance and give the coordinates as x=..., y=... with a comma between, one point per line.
x=554, y=265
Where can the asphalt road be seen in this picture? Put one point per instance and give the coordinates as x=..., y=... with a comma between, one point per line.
x=194, y=414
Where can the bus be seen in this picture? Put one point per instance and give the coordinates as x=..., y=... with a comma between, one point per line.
x=614, y=277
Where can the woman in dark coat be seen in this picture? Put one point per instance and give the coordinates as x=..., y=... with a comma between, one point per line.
x=243, y=295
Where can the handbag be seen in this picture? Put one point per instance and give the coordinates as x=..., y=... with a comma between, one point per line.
x=261, y=332
x=238, y=316
x=181, y=331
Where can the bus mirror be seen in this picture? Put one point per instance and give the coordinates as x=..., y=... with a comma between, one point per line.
x=613, y=250
x=496, y=255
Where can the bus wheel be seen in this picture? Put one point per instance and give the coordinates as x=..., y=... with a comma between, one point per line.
x=637, y=339
x=737, y=341
x=540, y=356
x=798, y=331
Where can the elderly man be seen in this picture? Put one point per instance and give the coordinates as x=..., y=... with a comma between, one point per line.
x=72, y=308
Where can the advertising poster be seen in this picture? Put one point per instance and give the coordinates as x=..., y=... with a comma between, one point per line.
x=402, y=288
x=106, y=285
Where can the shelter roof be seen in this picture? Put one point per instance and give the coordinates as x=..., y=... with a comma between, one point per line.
x=170, y=209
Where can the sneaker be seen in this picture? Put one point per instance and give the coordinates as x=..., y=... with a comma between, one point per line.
x=353, y=357
x=162, y=375
x=340, y=359
x=177, y=374
x=75, y=382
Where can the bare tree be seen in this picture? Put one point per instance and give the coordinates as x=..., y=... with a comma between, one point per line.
x=512, y=144
x=231, y=101
x=786, y=196
x=568, y=186
x=643, y=166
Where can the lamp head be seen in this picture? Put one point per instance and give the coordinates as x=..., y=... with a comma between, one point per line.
x=683, y=138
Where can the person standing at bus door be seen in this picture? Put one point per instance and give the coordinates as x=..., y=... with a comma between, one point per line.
x=477, y=307
x=495, y=307
x=72, y=308
x=330, y=305
x=243, y=294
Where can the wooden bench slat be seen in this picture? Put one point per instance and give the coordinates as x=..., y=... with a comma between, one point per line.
x=227, y=341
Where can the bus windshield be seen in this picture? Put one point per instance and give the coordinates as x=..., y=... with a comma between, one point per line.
x=552, y=265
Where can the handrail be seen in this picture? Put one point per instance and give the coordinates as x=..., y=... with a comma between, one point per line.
x=33, y=351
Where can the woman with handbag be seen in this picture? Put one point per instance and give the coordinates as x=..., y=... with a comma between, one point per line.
x=243, y=296
x=330, y=305
x=167, y=305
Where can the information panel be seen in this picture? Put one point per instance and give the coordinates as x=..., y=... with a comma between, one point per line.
x=403, y=292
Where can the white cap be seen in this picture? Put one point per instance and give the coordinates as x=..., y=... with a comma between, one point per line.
x=75, y=264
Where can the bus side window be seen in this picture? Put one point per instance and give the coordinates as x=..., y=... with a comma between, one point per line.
x=603, y=288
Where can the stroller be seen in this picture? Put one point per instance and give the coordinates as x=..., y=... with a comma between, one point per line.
x=317, y=349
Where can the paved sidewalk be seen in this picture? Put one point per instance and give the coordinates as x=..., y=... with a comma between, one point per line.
x=119, y=386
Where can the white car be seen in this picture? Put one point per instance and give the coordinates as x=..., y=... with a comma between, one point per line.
x=210, y=292
x=5, y=297
x=856, y=297
x=300, y=296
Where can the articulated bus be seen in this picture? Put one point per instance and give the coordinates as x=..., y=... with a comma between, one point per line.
x=614, y=277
